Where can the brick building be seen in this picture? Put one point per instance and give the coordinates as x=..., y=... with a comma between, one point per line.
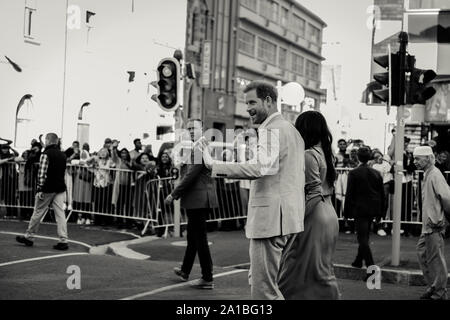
x=234, y=42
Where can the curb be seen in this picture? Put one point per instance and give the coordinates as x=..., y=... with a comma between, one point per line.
x=391, y=276
x=121, y=249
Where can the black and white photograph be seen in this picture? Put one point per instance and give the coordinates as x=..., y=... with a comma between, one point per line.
x=217, y=155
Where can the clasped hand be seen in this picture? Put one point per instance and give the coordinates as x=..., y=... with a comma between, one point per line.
x=202, y=145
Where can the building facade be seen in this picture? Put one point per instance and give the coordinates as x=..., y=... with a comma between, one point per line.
x=235, y=42
x=86, y=68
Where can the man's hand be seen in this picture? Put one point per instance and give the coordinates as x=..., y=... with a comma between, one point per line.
x=169, y=200
x=203, y=145
x=40, y=195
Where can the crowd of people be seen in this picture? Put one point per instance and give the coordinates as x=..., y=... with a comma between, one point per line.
x=346, y=158
x=111, y=180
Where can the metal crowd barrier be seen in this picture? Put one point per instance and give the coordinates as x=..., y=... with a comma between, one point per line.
x=411, y=197
x=119, y=195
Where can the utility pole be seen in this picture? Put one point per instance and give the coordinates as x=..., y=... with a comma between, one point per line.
x=399, y=150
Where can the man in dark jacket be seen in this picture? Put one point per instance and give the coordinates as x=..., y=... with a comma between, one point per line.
x=364, y=200
x=198, y=196
x=51, y=190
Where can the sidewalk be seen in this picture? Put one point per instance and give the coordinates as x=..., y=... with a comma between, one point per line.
x=230, y=250
x=408, y=272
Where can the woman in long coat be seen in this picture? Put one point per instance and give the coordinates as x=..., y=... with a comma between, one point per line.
x=307, y=271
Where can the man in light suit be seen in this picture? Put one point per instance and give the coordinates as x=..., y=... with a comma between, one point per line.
x=276, y=204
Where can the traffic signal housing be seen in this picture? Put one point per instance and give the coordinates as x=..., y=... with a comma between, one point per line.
x=418, y=90
x=390, y=79
x=168, y=84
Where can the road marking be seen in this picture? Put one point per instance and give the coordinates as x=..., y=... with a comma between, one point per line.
x=43, y=258
x=48, y=238
x=179, y=285
x=240, y=266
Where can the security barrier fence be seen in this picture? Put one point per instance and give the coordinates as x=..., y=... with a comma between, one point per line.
x=110, y=196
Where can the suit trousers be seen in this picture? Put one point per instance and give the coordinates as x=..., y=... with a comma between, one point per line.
x=40, y=209
x=197, y=241
x=430, y=251
x=266, y=256
x=362, y=226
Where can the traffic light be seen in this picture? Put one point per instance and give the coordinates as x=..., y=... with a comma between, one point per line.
x=168, y=84
x=418, y=90
x=389, y=79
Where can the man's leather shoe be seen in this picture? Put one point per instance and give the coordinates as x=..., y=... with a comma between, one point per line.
x=61, y=246
x=426, y=296
x=25, y=241
x=203, y=284
x=183, y=276
x=357, y=265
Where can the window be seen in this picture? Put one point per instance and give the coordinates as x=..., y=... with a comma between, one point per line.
x=284, y=17
x=250, y=4
x=29, y=19
x=275, y=11
x=162, y=131
x=24, y=122
x=90, y=26
x=313, y=34
x=297, y=63
x=282, y=58
x=246, y=42
x=267, y=51
x=312, y=70
x=194, y=27
x=270, y=10
x=298, y=25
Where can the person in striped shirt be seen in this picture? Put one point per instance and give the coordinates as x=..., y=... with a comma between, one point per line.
x=51, y=190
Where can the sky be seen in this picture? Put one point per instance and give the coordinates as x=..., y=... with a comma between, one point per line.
x=347, y=42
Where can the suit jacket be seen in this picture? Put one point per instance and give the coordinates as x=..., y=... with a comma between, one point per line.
x=365, y=193
x=277, y=194
x=196, y=189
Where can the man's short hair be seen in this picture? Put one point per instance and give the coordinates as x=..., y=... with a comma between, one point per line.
x=364, y=154
x=136, y=140
x=263, y=90
x=342, y=140
x=108, y=140
x=52, y=138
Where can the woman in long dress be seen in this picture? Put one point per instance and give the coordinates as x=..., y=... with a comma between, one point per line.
x=307, y=271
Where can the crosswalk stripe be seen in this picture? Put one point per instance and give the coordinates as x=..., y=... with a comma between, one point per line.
x=43, y=258
x=179, y=285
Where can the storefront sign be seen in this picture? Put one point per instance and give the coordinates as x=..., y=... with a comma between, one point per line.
x=206, y=65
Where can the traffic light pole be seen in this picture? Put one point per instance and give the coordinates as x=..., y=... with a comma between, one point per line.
x=399, y=150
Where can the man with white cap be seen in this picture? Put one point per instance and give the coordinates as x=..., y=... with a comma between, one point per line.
x=435, y=204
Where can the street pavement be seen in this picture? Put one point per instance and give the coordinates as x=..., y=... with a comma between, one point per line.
x=39, y=272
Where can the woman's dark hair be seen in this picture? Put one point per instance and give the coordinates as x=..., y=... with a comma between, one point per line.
x=314, y=129
x=128, y=154
x=150, y=157
x=159, y=160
